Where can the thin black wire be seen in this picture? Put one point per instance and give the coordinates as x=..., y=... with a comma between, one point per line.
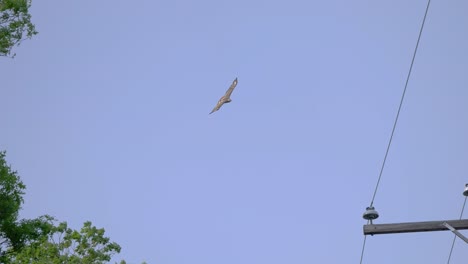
x=363, y=247
x=455, y=236
x=396, y=119
x=401, y=103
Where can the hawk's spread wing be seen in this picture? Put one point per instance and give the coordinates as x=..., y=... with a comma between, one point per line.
x=231, y=88
x=226, y=98
x=218, y=106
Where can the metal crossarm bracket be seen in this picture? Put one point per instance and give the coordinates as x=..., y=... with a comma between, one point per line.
x=460, y=235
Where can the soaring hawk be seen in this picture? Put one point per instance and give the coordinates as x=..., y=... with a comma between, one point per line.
x=226, y=98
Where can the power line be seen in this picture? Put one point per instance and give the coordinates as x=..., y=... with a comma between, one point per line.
x=362, y=251
x=396, y=119
x=401, y=103
x=455, y=236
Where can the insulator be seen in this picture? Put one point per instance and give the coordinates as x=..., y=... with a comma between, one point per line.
x=370, y=213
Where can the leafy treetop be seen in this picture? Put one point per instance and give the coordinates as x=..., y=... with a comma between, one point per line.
x=15, y=24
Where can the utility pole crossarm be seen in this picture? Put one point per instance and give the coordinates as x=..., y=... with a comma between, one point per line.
x=414, y=227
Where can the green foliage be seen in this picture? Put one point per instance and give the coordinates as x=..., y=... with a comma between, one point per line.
x=19, y=233
x=15, y=24
x=65, y=245
x=41, y=240
x=11, y=191
x=15, y=234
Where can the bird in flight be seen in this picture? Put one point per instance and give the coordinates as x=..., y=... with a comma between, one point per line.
x=226, y=98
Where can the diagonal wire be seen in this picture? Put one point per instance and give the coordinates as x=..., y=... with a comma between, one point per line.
x=455, y=236
x=401, y=103
x=396, y=119
x=363, y=248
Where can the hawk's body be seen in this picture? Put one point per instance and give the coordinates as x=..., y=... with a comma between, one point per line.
x=226, y=98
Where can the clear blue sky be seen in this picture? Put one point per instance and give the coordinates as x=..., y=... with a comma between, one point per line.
x=105, y=117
